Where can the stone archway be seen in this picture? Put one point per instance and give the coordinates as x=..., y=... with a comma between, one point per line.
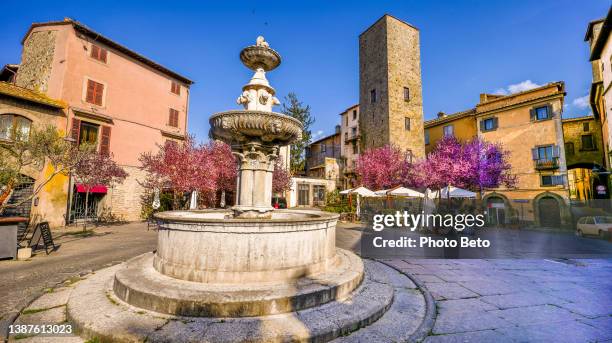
x=551, y=210
x=498, y=208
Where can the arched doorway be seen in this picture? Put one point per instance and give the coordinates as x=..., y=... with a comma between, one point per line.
x=496, y=210
x=550, y=212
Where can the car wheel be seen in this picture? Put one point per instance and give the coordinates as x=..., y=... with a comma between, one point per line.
x=579, y=233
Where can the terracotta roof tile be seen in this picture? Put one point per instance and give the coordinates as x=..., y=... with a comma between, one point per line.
x=14, y=91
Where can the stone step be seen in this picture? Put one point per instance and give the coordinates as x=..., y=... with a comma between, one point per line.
x=139, y=284
x=97, y=313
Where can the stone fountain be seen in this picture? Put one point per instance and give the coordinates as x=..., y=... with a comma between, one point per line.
x=251, y=273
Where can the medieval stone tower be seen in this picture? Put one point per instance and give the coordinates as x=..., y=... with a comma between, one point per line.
x=390, y=97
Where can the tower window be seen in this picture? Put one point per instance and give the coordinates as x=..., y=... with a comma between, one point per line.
x=407, y=123
x=354, y=114
x=587, y=142
x=373, y=96
x=585, y=127
x=406, y=94
x=426, y=137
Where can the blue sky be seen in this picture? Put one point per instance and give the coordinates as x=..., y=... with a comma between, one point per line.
x=467, y=47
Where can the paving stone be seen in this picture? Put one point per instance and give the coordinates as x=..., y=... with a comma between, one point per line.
x=488, y=287
x=603, y=324
x=559, y=332
x=455, y=322
x=591, y=309
x=53, y=299
x=521, y=299
x=464, y=305
x=449, y=290
x=475, y=336
x=429, y=278
x=535, y=314
x=51, y=316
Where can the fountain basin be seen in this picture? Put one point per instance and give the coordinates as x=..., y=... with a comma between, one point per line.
x=212, y=247
x=244, y=125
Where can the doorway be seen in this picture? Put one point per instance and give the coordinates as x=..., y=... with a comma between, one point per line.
x=550, y=212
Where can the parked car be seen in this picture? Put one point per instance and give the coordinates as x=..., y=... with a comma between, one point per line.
x=594, y=225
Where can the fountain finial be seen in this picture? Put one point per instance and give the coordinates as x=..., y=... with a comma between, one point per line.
x=258, y=95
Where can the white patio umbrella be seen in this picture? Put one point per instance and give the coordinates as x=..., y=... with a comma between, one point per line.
x=453, y=192
x=361, y=192
x=405, y=192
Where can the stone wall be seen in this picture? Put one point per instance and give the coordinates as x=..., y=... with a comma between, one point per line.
x=404, y=68
x=36, y=61
x=123, y=201
x=573, y=130
x=389, y=61
x=373, y=73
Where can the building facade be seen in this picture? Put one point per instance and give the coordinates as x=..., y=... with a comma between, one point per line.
x=600, y=95
x=115, y=98
x=390, y=95
x=584, y=151
x=529, y=126
x=349, y=145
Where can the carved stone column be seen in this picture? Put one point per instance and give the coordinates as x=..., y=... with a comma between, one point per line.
x=255, y=169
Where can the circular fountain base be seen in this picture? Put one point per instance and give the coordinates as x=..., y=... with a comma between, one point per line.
x=139, y=284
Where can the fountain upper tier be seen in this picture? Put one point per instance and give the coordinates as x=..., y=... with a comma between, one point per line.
x=243, y=126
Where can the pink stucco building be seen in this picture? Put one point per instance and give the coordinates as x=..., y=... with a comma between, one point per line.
x=116, y=98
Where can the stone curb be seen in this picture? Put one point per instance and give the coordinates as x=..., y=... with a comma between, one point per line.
x=430, y=307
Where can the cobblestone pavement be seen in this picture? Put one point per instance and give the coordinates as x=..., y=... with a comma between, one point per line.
x=477, y=300
x=20, y=281
x=517, y=300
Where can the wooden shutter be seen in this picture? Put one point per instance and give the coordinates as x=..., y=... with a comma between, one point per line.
x=549, y=109
x=99, y=92
x=105, y=140
x=495, y=123
x=534, y=154
x=90, y=91
x=173, y=118
x=103, y=53
x=556, y=151
x=532, y=114
x=482, y=125
x=76, y=129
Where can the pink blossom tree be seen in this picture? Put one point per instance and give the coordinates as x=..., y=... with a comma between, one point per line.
x=226, y=168
x=281, y=178
x=384, y=167
x=182, y=167
x=473, y=165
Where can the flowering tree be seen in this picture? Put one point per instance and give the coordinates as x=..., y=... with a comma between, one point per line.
x=473, y=165
x=281, y=178
x=489, y=165
x=184, y=167
x=381, y=168
x=97, y=169
x=225, y=167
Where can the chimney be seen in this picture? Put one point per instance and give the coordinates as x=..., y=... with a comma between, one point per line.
x=337, y=128
x=441, y=114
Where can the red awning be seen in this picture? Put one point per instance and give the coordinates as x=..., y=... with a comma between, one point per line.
x=100, y=189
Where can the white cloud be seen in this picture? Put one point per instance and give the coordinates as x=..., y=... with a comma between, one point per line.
x=582, y=102
x=517, y=87
x=316, y=135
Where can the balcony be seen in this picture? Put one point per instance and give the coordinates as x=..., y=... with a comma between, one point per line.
x=546, y=163
x=351, y=137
